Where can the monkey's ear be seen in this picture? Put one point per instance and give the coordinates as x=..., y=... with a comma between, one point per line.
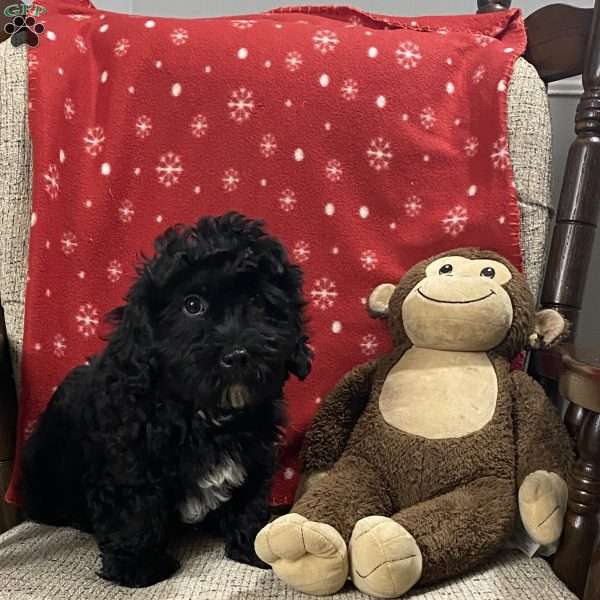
x=550, y=328
x=379, y=300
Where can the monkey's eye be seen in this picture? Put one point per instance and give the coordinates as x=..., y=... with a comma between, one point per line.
x=445, y=269
x=195, y=306
x=488, y=272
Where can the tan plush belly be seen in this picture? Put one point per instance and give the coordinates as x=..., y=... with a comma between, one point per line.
x=439, y=394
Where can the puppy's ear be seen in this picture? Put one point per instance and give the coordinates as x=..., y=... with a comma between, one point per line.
x=300, y=361
x=132, y=337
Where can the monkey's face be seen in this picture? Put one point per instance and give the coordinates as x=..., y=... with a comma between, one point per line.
x=460, y=304
x=466, y=300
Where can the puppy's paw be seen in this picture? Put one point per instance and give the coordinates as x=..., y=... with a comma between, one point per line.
x=138, y=573
x=542, y=505
x=245, y=555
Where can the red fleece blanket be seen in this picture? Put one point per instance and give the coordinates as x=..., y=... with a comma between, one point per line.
x=367, y=142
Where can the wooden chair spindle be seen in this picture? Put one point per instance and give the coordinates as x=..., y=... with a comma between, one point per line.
x=572, y=560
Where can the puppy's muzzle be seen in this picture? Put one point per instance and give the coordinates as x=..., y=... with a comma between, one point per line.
x=237, y=358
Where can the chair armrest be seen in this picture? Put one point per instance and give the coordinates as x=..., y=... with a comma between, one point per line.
x=580, y=384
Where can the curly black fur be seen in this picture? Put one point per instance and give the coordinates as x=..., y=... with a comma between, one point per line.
x=187, y=391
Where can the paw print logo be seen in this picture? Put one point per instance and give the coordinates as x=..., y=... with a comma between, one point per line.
x=24, y=30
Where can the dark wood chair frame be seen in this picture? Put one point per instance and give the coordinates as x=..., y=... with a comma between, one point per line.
x=563, y=41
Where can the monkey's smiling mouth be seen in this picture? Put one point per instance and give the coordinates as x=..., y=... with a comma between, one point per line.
x=492, y=293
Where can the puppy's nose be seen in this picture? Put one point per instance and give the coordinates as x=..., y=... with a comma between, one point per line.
x=235, y=358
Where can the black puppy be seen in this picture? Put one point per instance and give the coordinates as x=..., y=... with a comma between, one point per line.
x=180, y=415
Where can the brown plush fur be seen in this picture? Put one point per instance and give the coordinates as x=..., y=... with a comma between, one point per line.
x=456, y=496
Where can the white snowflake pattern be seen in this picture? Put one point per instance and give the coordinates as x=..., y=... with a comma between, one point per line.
x=199, y=125
x=51, y=178
x=455, y=220
x=87, y=320
x=68, y=242
x=369, y=344
x=368, y=260
x=408, y=55
x=126, y=211
x=287, y=200
x=293, y=61
x=243, y=23
x=333, y=170
x=94, y=140
x=324, y=293
x=179, y=36
x=80, y=44
x=471, y=146
x=500, y=156
x=69, y=109
x=268, y=145
x=478, y=74
x=241, y=105
x=32, y=60
x=413, y=206
x=114, y=271
x=427, y=117
x=301, y=251
x=483, y=40
x=325, y=41
x=230, y=179
x=121, y=47
x=169, y=169
x=143, y=126
x=379, y=154
x=59, y=345
x=349, y=89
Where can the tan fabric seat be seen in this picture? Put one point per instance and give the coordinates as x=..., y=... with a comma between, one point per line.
x=42, y=563
x=45, y=563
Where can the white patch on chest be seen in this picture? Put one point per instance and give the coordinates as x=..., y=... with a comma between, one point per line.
x=439, y=394
x=212, y=490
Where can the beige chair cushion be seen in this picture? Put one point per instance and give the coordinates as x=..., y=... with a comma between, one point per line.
x=530, y=145
x=15, y=192
x=43, y=563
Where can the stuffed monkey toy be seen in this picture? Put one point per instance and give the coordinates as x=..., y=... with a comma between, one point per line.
x=417, y=462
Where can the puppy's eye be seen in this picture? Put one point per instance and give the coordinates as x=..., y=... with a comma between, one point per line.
x=488, y=272
x=195, y=306
x=445, y=269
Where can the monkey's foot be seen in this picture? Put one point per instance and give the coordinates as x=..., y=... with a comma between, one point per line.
x=309, y=556
x=385, y=560
x=543, y=504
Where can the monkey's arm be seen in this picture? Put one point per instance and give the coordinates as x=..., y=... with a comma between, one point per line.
x=543, y=442
x=544, y=457
x=328, y=434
